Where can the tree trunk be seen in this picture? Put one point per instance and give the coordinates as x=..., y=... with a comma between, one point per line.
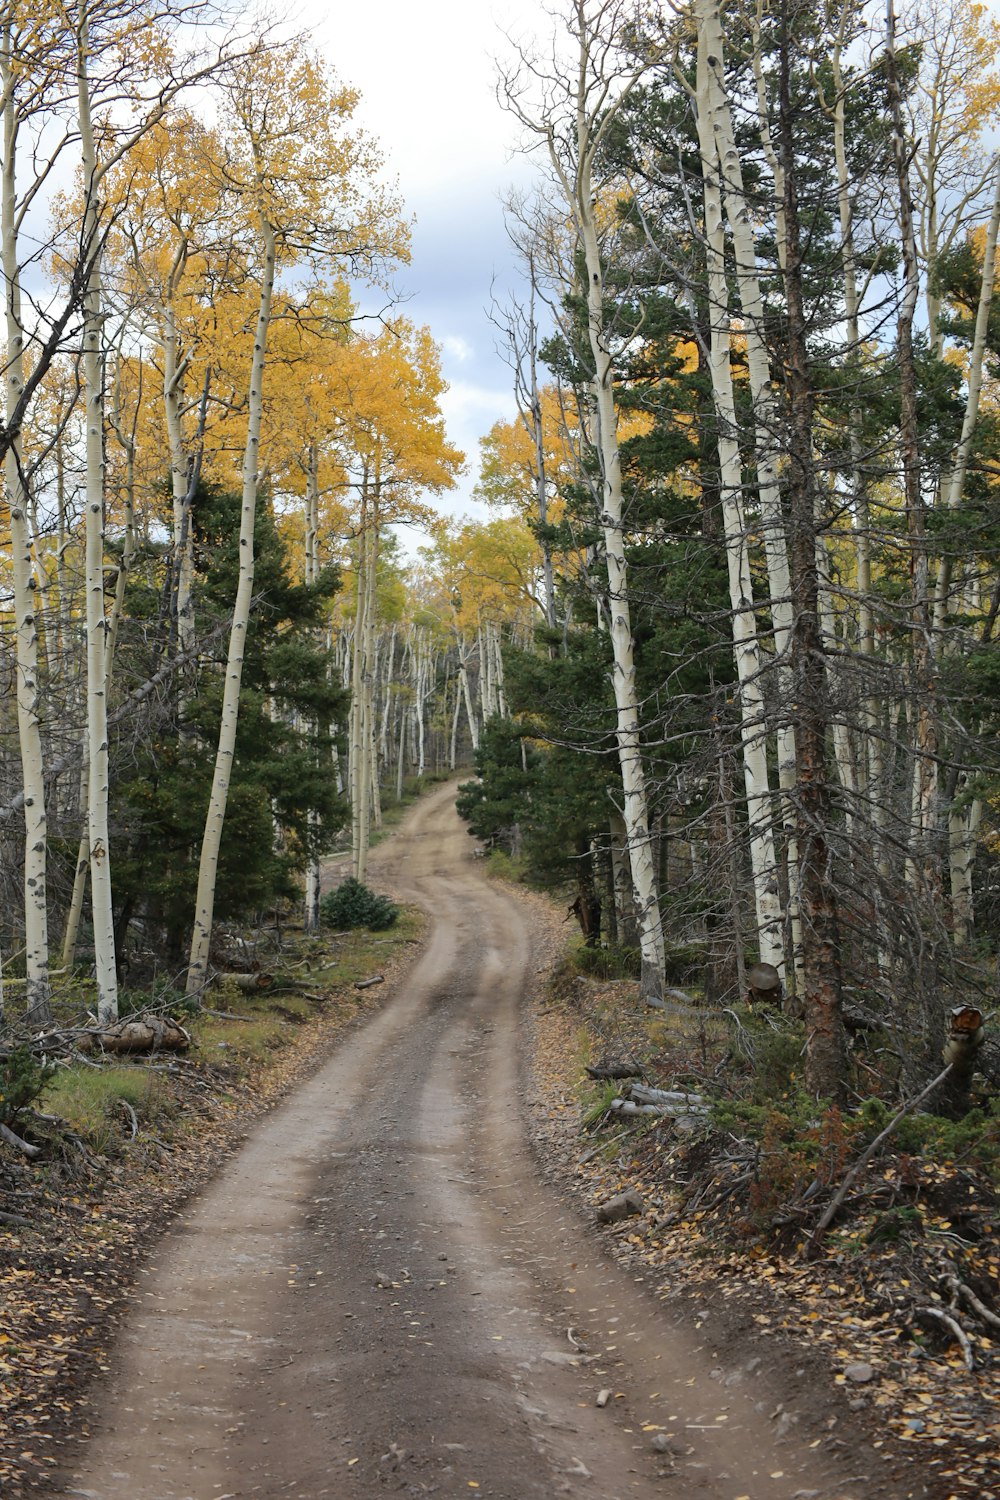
x=749, y=664
x=766, y=443
x=920, y=861
x=822, y=1001
x=201, y=937
x=27, y=686
x=97, y=702
x=580, y=198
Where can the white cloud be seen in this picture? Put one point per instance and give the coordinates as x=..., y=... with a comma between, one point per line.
x=458, y=348
x=427, y=78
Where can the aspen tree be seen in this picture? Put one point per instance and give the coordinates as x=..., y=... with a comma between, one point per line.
x=167, y=245
x=964, y=818
x=387, y=392
x=15, y=39
x=572, y=123
x=953, y=104
x=822, y=998
x=749, y=664
x=296, y=171
x=870, y=789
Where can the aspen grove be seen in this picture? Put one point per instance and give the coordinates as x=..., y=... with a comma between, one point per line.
x=723, y=654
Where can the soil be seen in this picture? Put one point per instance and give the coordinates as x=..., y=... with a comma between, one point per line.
x=386, y=1290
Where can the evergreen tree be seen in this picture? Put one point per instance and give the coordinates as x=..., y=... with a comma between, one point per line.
x=282, y=770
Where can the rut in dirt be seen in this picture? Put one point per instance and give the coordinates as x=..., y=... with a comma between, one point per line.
x=381, y=1293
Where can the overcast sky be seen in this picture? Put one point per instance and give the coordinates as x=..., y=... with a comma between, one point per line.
x=426, y=74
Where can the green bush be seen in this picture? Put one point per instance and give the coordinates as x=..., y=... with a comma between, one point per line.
x=22, y=1079
x=609, y=963
x=354, y=905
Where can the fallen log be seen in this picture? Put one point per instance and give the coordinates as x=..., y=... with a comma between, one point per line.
x=629, y=1107
x=149, y=1033
x=25, y=1147
x=668, y=1099
x=250, y=984
x=14, y=1221
x=366, y=984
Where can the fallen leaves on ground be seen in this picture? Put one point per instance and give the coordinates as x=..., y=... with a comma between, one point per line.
x=856, y=1305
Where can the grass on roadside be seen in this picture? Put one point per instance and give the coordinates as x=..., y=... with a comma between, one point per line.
x=243, y=1036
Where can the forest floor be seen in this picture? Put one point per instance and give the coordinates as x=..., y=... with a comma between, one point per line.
x=830, y=1356
x=721, y=1230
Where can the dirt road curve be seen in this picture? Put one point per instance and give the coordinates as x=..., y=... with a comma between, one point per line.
x=376, y=1294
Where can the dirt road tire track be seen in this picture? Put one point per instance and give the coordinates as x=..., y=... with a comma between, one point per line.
x=375, y=1295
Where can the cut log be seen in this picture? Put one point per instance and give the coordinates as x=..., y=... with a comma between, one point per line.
x=142, y=1034
x=250, y=984
x=764, y=985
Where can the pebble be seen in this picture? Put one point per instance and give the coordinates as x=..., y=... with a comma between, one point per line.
x=860, y=1373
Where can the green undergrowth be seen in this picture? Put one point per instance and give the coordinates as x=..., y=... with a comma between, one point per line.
x=767, y=1155
x=237, y=1036
x=500, y=865
x=91, y=1102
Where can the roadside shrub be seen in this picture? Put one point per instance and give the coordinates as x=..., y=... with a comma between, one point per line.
x=609, y=963
x=22, y=1078
x=354, y=905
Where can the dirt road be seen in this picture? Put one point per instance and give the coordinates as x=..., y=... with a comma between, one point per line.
x=379, y=1294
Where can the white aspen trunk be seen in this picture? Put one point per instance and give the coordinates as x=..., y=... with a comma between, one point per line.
x=964, y=823
x=201, y=937
x=485, y=676
x=62, y=582
x=620, y=626
x=574, y=169
x=541, y=478
x=467, y=695
x=455, y=716
x=97, y=700
x=963, y=835
x=371, y=677
x=401, y=757
x=842, y=745
x=573, y=137
x=173, y=385
x=419, y=706
x=312, y=517
x=75, y=912
x=621, y=876
x=415, y=737
x=955, y=484
x=358, y=760
x=921, y=869
x=127, y=444
x=765, y=440
x=745, y=642
x=36, y=924
x=313, y=886
x=494, y=636
x=387, y=696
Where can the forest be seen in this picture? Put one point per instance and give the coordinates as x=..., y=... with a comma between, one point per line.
x=701, y=980
x=723, y=654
